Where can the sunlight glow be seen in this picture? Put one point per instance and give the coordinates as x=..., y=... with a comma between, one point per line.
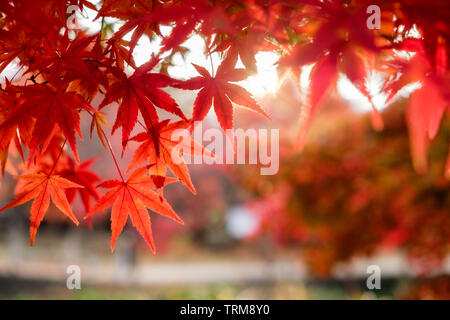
x=266, y=79
x=358, y=101
x=264, y=82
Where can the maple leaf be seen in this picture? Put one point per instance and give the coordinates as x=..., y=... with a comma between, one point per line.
x=219, y=89
x=185, y=14
x=132, y=198
x=274, y=18
x=426, y=108
x=65, y=57
x=9, y=102
x=354, y=66
x=98, y=119
x=323, y=77
x=16, y=45
x=43, y=187
x=246, y=44
x=90, y=73
x=126, y=9
x=141, y=17
x=139, y=92
x=50, y=108
x=335, y=44
x=118, y=53
x=59, y=8
x=157, y=146
x=401, y=72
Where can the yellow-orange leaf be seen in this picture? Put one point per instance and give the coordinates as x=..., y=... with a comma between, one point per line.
x=131, y=198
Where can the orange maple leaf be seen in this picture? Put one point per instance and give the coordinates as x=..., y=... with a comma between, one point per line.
x=157, y=147
x=131, y=198
x=42, y=187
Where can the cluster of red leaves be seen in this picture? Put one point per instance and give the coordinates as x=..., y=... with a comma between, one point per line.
x=62, y=71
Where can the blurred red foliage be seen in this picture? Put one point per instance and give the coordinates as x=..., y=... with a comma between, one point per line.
x=354, y=192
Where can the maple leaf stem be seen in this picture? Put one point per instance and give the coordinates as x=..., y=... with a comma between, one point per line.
x=17, y=72
x=57, y=158
x=97, y=61
x=113, y=156
x=110, y=150
x=101, y=27
x=142, y=125
x=212, y=64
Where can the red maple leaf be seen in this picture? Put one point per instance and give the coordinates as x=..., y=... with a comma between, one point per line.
x=246, y=44
x=426, y=108
x=219, y=89
x=9, y=101
x=139, y=92
x=323, y=77
x=52, y=109
x=63, y=57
